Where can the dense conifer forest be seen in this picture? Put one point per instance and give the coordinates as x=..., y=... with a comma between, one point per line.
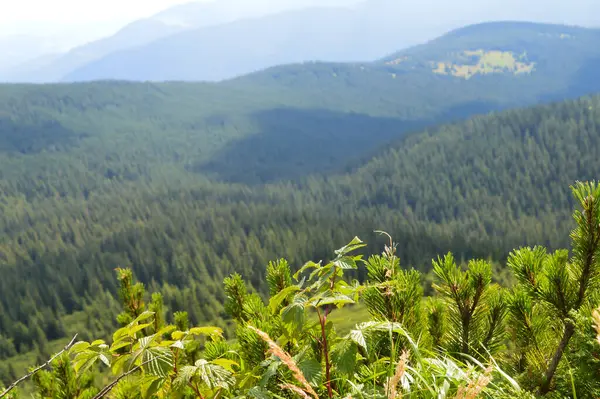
x=471, y=338
x=444, y=146
x=467, y=187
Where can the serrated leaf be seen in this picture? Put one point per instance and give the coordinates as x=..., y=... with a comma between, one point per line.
x=161, y=361
x=345, y=263
x=311, y=370
x=259, y=393
x=358, y=337
x=294, y=314
x=344, y=356
x=270, y=372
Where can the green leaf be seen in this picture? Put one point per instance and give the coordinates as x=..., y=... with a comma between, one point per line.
x=270, y=372
x=311, y=370
x=131, y=331
x=355, y=244
x=225, y=363
x=307, y=266
x=275, y=301
x=177, y=344
x=119, y=364
x=178, y=335
x=115, y=347
x=358, y=336
x=144, y=316
x=345, y=263
x=151, y=385
x=259, y=393
x=161, y=361
x=344, y=356
x=210, y=331
x=79, y=347
x=336, y=299
x=294, y=313
x=104, y=359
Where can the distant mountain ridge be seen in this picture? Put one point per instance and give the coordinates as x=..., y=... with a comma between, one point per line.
x=370, y=30
x=222, y=39
x=192, y=15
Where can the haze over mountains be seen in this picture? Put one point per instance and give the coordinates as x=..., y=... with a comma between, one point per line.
x=226, y=38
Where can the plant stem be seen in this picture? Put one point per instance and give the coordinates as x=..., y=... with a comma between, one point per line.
x=323, y=322
x=196, y=390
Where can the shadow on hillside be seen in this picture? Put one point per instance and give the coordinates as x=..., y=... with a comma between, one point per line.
x=292, y=143
x=32, y=138
x=585, y=82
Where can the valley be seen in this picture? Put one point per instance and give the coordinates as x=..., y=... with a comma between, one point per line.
x=467, y=143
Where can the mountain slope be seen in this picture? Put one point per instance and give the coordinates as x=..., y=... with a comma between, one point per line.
x=453, y=188
x=370, y=30
x=188, y=182
x=291, y=121
x=176, y=19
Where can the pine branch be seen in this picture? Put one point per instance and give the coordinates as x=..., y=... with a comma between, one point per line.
x=36, y=370
x=592, y=247
x=109, y=387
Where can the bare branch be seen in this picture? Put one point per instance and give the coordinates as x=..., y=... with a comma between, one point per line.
x=109, y=387
x=34, y=371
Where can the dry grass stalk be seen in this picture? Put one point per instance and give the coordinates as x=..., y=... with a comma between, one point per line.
x=275, y=350
x=474, y=389
x=295, y=389
x=596, y=316
x=392, y=383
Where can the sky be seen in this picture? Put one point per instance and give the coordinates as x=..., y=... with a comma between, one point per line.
x=67, y=23
x=74, y=17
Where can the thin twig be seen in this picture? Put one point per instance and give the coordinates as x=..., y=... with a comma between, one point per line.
x=34, y=371
x=109, y=387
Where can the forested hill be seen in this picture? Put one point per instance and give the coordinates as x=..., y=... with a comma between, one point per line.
x=188, y=182
x=481, y=187
x=283, y=123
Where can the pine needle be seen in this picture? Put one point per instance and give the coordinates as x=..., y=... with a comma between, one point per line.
x=286, y=359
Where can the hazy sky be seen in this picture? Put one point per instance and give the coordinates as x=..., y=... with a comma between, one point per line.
x=68, y=16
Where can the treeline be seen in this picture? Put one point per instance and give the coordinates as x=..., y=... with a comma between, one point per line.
x=478, y=188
